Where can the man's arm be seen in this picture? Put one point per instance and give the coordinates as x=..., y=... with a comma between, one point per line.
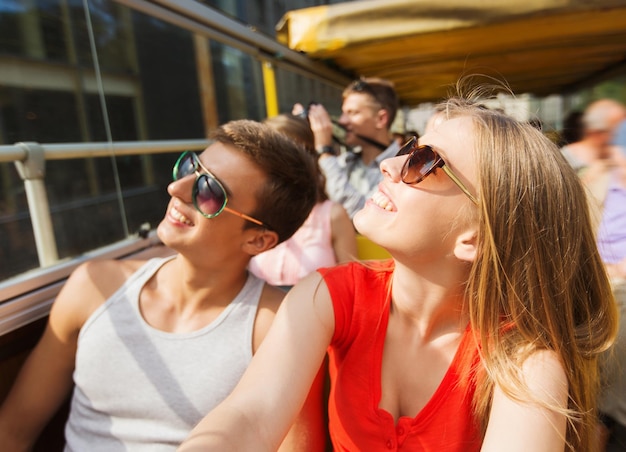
x=338, y=186
x=617, y=270
x=45, y=379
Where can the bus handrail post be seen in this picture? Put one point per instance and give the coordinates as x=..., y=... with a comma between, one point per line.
x=32, y=170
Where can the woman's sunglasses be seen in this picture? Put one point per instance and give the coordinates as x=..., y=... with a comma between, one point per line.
x=422, y=161
x=208, y=194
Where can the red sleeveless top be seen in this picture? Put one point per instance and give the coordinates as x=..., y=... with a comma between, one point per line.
x=361, y=299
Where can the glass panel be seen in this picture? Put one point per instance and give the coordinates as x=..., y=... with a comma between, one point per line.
x=40, y=115
x=296, y=88
x=17, y=247
x=150, y=92
x=240, y=84
x=147, y=89
x=113, y=35
x=33, y=29
x=167, y=81
x=262, y=14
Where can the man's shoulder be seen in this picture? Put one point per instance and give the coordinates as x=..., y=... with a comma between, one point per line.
x=106, y=273
x=87, y=288
x=269, y=302
x=93, y=282
x=271, y=297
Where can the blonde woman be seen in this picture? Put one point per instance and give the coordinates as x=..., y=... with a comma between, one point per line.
x=482, y=333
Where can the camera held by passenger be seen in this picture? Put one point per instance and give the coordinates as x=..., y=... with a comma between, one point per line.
x=304, y=114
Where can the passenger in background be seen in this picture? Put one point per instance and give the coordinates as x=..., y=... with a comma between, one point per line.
x=410, y=134
x=599, y=121
x=537, y=123
x=603, y=170
x=326, y=238
x=573, y=128
x=482, y=333
x=368, y=110
x=402, y=138
x=399, y=138
x=150, y=347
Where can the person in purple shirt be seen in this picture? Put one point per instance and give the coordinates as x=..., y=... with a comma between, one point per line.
x=620, y=135
x=612, y=247
x=606, y=179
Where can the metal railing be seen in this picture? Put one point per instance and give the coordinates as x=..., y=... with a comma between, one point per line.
x=27, y=297
x=30, y=159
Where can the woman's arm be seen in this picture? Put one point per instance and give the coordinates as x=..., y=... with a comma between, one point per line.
x=309, y=432
x=263, y=405
x=523, y=425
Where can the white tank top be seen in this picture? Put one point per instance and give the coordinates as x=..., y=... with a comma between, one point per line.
x=141, y=389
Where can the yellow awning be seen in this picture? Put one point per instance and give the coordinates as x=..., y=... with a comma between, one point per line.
x=538, y=46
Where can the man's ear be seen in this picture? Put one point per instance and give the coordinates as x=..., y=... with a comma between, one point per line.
x=260, y=240
x=382, y=119
x=466, y=246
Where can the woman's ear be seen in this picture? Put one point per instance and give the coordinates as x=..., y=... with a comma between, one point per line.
x=466, y=245
x=260, y=240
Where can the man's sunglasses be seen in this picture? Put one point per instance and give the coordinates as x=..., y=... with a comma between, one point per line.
x=208, y=194
x=361, y=86
x=422, y=161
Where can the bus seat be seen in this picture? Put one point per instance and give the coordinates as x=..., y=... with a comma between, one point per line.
x=367, y=250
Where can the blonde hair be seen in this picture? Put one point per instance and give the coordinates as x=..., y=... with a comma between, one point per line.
x=538, y=282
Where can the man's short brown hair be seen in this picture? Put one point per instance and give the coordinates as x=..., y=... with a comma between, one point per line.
x=290, y=191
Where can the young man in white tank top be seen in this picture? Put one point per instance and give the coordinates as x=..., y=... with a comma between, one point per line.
x=149, y=348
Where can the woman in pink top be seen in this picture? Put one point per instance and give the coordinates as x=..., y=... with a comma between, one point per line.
x=482, y=334
x=326, y=237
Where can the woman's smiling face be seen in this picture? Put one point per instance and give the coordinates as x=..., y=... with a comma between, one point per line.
x=424, y=215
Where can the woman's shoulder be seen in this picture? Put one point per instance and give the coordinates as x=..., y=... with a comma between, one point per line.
x=376, y=268
x=544, y=373
x=358, y=281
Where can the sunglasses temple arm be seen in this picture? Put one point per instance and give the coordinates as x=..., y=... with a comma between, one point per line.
x=458, y=182
x=244, y=216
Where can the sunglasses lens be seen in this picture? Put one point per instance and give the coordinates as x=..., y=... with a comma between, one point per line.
x=209, y=196
x=420, y=163
x=185, y=166
x=359, y=85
